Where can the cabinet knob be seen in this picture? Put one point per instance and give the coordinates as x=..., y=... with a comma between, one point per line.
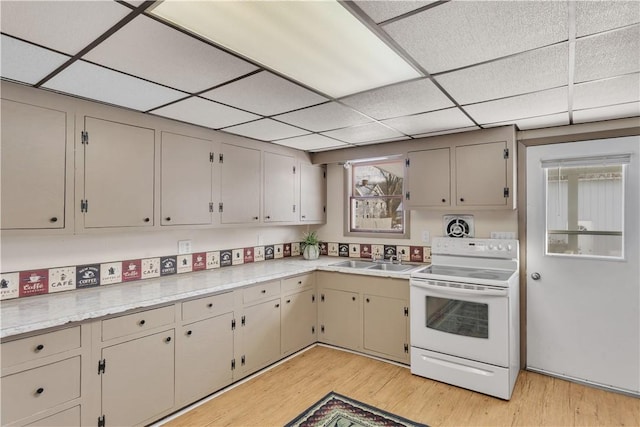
x=303, y=216
x=54, y=219
x=444, y=200
x=39, y=347
x=168, y=218
x=367, y=299
x=268, y=217
x=288, y=301
x=40, y=390
x=255, y=218
x=462, y=199
x=299, y=282
x=263, y=291
x=146, y=219
x=168, y=339
x=188, y=333
x=277, y=305
x=353, y=298
x=142, y=322
x=210, y=305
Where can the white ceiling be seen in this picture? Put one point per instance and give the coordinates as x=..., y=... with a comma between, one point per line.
x=484, y=63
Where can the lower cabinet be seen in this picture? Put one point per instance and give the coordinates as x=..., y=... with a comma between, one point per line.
x=67, y=418
x=260, y=326
x=386, y=327
x=138, y=379
x=340, y=319
x=204, y=355
x=298, y=321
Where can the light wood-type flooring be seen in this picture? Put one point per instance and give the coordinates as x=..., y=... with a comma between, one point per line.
x=279, y=395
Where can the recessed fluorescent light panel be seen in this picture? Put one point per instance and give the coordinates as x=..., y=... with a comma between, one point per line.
x=317, y=43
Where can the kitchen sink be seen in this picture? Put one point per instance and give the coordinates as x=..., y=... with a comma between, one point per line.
x=393, y=267
x=353, y=264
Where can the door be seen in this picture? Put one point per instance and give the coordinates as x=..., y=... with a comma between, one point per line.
x=240, y=174
x=386, y=326
x=583, y=292
x=481, y=175
x=298, y=321
x=429, y=178
x=339, y=318
x=313, y=189
x=279, y=188
x=260, y=335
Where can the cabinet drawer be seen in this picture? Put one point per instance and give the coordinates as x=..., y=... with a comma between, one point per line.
x=258, y=292
x=297, y=283
x=29, y=392
x=67, y=418
x=137, y=322
x=208, y=306
x=39, y=346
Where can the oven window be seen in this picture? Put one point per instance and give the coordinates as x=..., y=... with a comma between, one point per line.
x=469, y=319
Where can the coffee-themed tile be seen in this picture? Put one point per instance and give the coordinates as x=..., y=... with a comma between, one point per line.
x=426, y=254
x=62, y=279
x=184, y=263
x=324, y=248
x=237, y=257
x=389, y=251
x=248, y=255
x=110, y=273
x=403, y=253
x=87, y=276
x=226, y=258
x=168, y=265
x=343, y=249
x=258, y=253
x=9, y=285
x=415, y=254
x=295, y=249
x=286, y=250
x=333, y=249
x=278, y=251
x=365, y=250
x=213, y=260
x=150, y=268
x=378, y=251
x=131, y=270
x=354, y=250
x=199, y=261
x=268, y=252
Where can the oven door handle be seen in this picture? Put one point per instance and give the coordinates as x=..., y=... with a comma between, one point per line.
x=456, y=291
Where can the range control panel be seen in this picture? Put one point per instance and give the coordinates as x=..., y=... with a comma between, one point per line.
x=489, y=248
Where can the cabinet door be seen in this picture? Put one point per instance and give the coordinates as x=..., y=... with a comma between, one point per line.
x=118, y=175
x=138, y=382
x=33, y=166
x=260, y=335
x=339, y=318
x=429, y=178
x=67, y=418
x=240, y=185
x=186, y=180
x=313, y=191
x=203, y=358
x=386, y=326
x=298, y=321
x=481, y=175
x=279, y=188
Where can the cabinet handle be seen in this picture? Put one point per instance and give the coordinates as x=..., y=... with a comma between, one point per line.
x=188, y=333
x=255, y=218
x=353, y=298
x=303, y=216
x=444, y=200
x=263, y=291
x=299, y=282
x=210, y=305
x=40, y=390
x=277, y=305
x=367, y=299
x=288, y=301
x=54, y=219
x=268, y=217
x=142, y=322
x=39, y=347
x=146, y=219
x=462, y=199
x=168, y=218
x=168, y=339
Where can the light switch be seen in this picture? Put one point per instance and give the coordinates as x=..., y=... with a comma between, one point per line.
x=184, y=247
x=426, y=236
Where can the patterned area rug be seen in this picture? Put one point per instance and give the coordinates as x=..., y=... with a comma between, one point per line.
x=335, y=410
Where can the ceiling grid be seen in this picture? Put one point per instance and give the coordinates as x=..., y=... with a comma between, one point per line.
x=482, y=64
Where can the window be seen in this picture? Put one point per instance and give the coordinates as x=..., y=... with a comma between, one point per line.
x=585, y=205
x=375, y=198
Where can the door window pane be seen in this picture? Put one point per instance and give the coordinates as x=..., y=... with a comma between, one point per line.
x=469, y=319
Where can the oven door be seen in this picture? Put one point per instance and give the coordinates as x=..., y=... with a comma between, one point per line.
x=464, y=320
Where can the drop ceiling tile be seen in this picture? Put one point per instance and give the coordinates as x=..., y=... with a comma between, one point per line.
x=519, y=107
x=447, y=132
x=27, y=63
x=169, y=57
x=101, y=84
x=632, y=109
x=461, y=33
x=599, y=93
x=311, y=142
x=266, y=130
x=381, y=11
x=324, y=117
x=607, y=55
x=451, y=118
x=595, y=16
x=204, y=113
x=400, y=100
x=370, y=132
x=66, y=26
x=559, y=119
x=527, y=72
x=380, y=141
x=264, y=93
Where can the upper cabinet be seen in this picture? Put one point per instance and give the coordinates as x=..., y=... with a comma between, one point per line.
x=313, y=193
x=462, y=176
x=279, y=188
x=240, y=175
x=188, y=180
x=118, y=175
x=33, y=179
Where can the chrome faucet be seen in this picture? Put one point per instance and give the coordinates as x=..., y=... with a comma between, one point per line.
x=396, y=257
x=374, y=258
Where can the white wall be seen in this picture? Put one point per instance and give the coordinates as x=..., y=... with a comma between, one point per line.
x=431, y=221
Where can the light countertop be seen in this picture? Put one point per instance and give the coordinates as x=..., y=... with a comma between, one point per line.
x=31, y=314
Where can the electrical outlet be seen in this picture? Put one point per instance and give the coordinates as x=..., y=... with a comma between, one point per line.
x=184, y=247
x=426, y=236
x=503, y=235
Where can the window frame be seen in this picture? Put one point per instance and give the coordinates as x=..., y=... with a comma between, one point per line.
x=348, y=187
